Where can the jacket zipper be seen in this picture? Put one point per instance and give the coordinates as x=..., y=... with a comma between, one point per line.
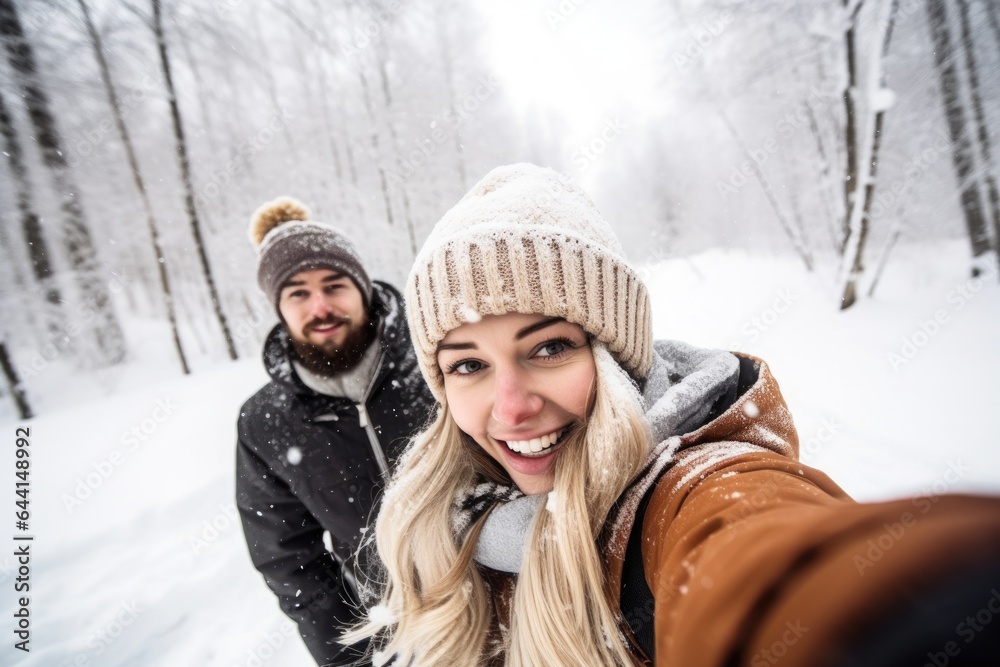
x=366, y=423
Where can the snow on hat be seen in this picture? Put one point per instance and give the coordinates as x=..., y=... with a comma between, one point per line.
x=288, y=242
x=527, y=240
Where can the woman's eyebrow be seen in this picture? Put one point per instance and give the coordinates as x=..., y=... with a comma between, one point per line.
x=456, y=346
x=537, y=326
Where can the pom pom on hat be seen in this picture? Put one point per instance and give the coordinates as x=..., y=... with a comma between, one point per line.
x=274, y=213
x=284, y=250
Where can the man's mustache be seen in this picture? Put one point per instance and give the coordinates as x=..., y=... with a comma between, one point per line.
x=327, y=321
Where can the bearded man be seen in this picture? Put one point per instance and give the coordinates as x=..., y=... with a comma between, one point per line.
x=317, y=442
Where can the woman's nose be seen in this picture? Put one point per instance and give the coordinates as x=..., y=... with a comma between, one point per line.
x=515, y=401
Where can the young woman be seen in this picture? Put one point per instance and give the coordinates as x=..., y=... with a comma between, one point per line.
x=587, y=497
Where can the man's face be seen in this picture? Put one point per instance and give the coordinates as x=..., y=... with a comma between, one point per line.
x=324, y=310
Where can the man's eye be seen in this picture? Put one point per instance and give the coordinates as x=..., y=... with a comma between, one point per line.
x=466, y=367
x=298, y=294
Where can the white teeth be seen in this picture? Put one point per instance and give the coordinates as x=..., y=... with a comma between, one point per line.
x=534, y=445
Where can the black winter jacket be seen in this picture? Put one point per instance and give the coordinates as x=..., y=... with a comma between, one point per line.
x=308, y=463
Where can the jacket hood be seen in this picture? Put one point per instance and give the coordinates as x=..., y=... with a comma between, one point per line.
x=696, y=396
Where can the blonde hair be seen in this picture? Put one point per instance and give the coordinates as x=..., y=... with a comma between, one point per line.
x=436, y=609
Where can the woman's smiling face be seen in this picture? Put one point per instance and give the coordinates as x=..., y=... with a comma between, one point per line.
x=517, y=384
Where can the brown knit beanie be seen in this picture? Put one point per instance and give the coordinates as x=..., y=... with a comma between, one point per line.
x=287, y=242
x=527, y=240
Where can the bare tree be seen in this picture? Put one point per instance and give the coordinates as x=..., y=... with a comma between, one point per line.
x=798, y=242
x=441, y=12
x=991, y=16
x=31, y=228
x=979, y=118
x=381, y=58
x=853, y=8
x=76, y=237
x=14, y=384
x=185, y=168
x=860, y=210
x=962, y=152
x=140, y=185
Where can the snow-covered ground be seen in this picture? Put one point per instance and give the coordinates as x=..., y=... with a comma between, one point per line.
x=139, y=559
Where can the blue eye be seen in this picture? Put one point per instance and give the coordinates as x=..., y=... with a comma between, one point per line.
x=554, y=348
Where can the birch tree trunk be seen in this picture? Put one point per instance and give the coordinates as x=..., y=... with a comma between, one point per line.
x=853, y=8
x=17, y=390
x=441, y=19
x=31, y=228
x=979, y=118
x=185, y=167
x=23, y=289
x=376, y=147
x=100, y=319
x=387, y=96
x=140, y=185
x=962, y=153
x=994, y=20
x=860, y=216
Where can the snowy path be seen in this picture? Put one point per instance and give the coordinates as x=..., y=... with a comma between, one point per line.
x=119, y=576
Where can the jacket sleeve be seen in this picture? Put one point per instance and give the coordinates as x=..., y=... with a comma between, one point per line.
x=286, y=546
x=756, y=559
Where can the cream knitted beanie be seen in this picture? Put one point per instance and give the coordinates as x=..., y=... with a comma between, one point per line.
x=527, y=240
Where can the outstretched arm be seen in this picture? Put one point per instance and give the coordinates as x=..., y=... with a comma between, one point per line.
x=761, y=560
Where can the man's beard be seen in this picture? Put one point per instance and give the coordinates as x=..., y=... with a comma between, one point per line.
x=331, y=358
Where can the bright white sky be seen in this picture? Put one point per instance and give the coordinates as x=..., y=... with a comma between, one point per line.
x=585, y=66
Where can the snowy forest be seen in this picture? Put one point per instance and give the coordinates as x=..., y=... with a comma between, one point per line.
x=813, y=182
x=138, y=138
